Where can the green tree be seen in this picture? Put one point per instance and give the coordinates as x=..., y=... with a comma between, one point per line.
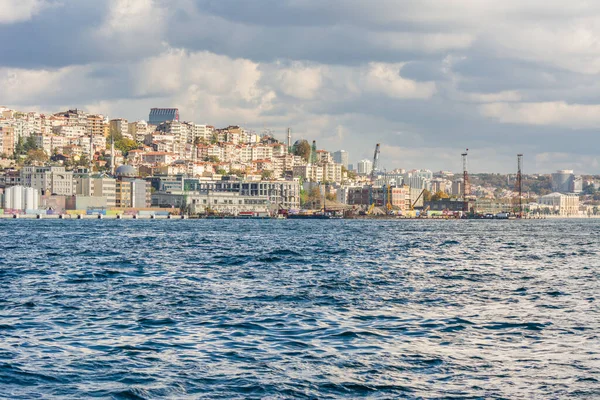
x=302, y=149
x=30, y=144
x=265, y=175
x=213, y=159
x=221, y=171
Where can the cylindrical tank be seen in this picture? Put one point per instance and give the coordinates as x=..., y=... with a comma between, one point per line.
x=17, y=198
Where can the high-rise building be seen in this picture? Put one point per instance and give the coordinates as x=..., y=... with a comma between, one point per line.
x=341, y=157
x=119, y=126
x=159, y=115
x=364, y=167
x=565, y=181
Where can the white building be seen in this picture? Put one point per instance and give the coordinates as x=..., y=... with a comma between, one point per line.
x=55, y=180
x=563, y=204
x=364, y=167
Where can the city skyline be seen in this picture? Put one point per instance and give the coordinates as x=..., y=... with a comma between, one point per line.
x=424, y=79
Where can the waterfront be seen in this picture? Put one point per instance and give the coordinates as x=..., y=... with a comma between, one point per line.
x=299, y=309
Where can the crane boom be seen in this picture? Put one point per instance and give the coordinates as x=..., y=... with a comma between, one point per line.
x=375, y=162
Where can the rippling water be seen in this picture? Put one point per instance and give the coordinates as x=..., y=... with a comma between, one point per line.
x=299, y=309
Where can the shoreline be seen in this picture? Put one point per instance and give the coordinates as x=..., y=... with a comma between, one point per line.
x=185, y=217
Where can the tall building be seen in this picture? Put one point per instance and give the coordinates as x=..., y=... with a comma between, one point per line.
x=159, y=115
x=120, y=126
x=7, y=141
x=565, y=181
x=341, y=157
x=364, y=167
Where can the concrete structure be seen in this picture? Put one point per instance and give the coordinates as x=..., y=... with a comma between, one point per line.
x=54, y=180
x=21, y=198
x=561, y=204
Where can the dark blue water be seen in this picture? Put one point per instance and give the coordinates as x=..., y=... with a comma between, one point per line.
x=299, y=309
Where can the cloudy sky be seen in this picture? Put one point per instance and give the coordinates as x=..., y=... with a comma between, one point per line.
x=424, y=78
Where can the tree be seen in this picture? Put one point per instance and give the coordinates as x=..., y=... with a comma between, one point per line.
x=213, y=159
x=125, y=145
x=221, y=171
x=35, y=156
x=426, y=195
x=302, y=149
x=439, y=195
x=266, y=175
x=237, y=172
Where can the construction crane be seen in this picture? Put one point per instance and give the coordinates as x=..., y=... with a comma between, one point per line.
x=374, y=168
x=414, y=203
x=375, y=163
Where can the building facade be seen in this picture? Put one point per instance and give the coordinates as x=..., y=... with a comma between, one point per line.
x=51, y=180
x=159, y=115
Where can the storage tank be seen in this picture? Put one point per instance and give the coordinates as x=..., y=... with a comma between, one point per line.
x=17, y=198
x=31, y=199
x=8, y=203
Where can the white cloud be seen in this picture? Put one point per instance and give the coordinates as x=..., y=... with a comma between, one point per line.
x=385, y=79
x=300, y=81
x=504, y=96
x=19, y=10
x=553, y=113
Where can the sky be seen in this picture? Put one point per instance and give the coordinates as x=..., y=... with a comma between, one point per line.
x=426, y=79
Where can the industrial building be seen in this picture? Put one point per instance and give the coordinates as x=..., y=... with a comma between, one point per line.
x=231, y=203
x=284, y=194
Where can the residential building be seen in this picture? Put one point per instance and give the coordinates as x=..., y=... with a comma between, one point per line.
x=364, y=167
x=7, y=141
x=119, y=126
